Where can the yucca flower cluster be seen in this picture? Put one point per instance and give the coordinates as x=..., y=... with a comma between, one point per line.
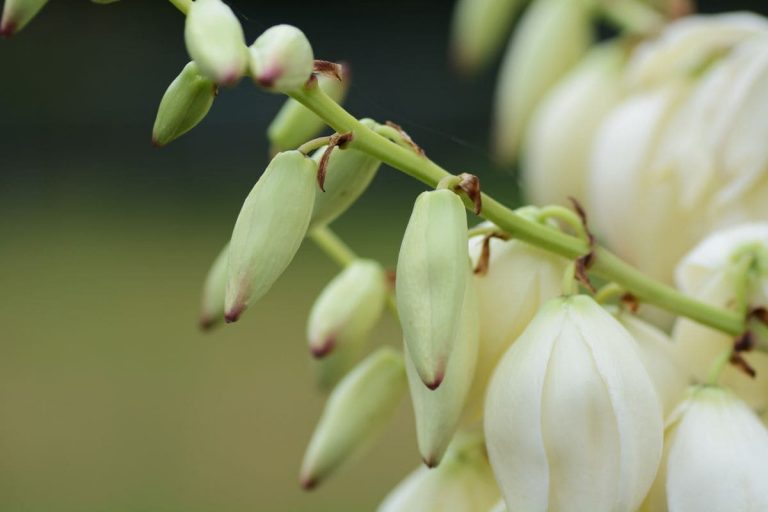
x=537, y=380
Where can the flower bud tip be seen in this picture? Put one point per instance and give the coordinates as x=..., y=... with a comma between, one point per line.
x=431, y=461
x=439, y=376
x=322, y=350
x=308, y=483
x=206, y=323
x=156, y=143
x=233, y=315
x=7, y=29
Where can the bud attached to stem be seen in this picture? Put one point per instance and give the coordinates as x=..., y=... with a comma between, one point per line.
x=281, y=59
x=17, y=13
x=214, y=290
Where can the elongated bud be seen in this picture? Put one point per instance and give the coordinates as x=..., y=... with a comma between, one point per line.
x=357, y=410
x=185, y=103
x=463, y=482
x=215, y=41
x=348, y=175
x=348, y=308
x=438, y=412
x=17, y=13
x=431, y=279
x=294, y=124
x=551, y=37
x=281, y=59
x=212, y=307
x=479, y=29
x=272, y=223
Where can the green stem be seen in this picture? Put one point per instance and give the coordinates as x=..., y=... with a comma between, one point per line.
x=332, y=245
x=182, y=5
x=606, y=264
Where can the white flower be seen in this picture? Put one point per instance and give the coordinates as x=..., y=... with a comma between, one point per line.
x=572, y=420
x=281, y=59
x=711, y=272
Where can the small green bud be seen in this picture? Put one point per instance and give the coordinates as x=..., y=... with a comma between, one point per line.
x=438, y=412
x=185, y=103
x=17, y=13
x=281, y=59
x=357, y=410
x=212, y=308
x=294, y=124
x=348, y=308
x=215, y=41
x=272, y=223
x=348, y=175
x=431, y=279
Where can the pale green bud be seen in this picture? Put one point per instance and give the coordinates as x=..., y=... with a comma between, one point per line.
x=281, y=59
x=214, y=290
x=185, y=103
x=269, y=230
x=357, y=410
x=439, y=411
x=463, y=482
x=551, y=37
x=348, y=308
x=480, y=27
x=499, y=507
x=17, y=13
x=294, y=124
x=431, y=279
x=348, y=175
x=215, y=41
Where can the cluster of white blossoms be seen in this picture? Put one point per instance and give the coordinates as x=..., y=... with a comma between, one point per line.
x=531, y=390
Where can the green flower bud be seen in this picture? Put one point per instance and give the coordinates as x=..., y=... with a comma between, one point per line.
x=348, y=175
x=294, y=124
x=215, y=41
x=185, y=103
x=431, y=279
x=17, y=13
x=438, y=412
x=212, y=307
x=348, y=308
x=282, y=59
x=355, y=413
x=272, y=223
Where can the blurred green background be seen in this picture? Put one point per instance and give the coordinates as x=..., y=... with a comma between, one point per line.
x=110, y=398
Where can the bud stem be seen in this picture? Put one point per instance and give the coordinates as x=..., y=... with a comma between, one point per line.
x=569, y=217
x=332, y=245
x=314, y=144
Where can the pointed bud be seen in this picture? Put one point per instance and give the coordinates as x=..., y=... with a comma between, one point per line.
x=185, y=103
x=572, y=421
x=480, y=28
x=463, y=482
x=348, y=308
x=551, y=37
x=431, y=279
x=348, y=175
x=17, y=13
x=215, y=41
x=357, y=410
x=294, y=124
x=711, y=431
x=269, y=230
x=438, y=412
x=281, y=59
x=212, y=308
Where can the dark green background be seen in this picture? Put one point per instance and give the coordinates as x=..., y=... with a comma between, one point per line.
x=110, y=399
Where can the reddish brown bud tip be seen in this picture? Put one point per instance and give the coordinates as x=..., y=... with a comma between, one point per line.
x=438, y=380
x=7, y=29
x=308, y=483
x=431, y=462
x=233, y=315
x=156, y=143
x=206, y=323
x=323, y=350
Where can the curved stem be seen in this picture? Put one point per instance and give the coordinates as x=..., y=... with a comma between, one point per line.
x=332, y=245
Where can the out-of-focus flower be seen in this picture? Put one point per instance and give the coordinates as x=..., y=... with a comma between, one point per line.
x=728, y=269
x=684, y=153
x=558, y=143
x=212, y=307
x=17, y=13
x=715, y=456
x=572, y=421
x=462, y=483
x=215, y=41
x=550, y=39
x=281, y=59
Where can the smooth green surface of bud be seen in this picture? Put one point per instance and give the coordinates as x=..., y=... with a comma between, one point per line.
x=330, y=369
x=17, y=13
x=357, y=410
x=269, y=230
x=438, y=412
x=215, y=41
x=348, y=175
x=294, y=124
x=212, y=307
x=431, y=279
x=185, y=103
x=348, y=308
x=281, y=59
